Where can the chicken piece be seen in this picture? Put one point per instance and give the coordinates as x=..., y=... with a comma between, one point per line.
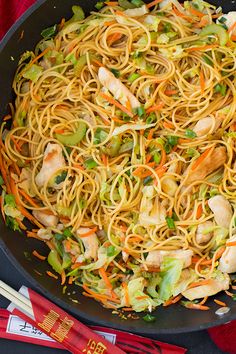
x=155, y=258
x=125, y=256
x=201, y=236
x=45, y=234
x=117, y=88
x=221, y=209
x=52, y=162
x=45, y=219
x=169, y=186
x=213, y=287
x=90, y=243
x=211, y=163
x=230, y=19
x=204, y=125
x=227, y=263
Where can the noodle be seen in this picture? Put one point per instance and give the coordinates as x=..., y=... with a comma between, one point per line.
x=124, y=130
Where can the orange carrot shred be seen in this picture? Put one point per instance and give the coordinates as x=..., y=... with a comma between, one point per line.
x=38, y=255
x=117, y=104
x=199, y=211
x=221, y=303
x=153, y=3
x=7, y=117
x=202, y=157
x=51, y=274
x=89, y=233
x=199, y=283
x=28, y=198
x=168, y=125
x=155, y=108
x=230, y=244
x=204, y=47
x=196, y=12
x=63, y=277
x=127, y=300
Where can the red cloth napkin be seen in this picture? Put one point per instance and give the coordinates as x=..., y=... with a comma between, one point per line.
x=223, y=336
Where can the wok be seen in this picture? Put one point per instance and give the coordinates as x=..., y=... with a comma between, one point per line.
x=18, y=248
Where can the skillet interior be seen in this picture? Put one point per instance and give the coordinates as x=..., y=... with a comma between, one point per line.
x=174, y=319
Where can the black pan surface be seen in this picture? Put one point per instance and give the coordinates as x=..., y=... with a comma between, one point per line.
x=18, y=247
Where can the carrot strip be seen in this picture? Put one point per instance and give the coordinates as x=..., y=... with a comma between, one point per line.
x=70, y=281
x=196, y=12
x=142, y=297
x=180, y=14
x=233, y=37
x=233, y=127
x=204, y=47
x=199, y=283
x=39, y=256
x=63, y=277
x=98, y=63
x=7, y=117
x=38, y=57
x=105, y=278
x=150, y=134
x=204, y=300
x=168, y=125
x=148, y=158
x=76, y=265
x=104, y=159
x=117, y=120
x=114, y=38
x=51, y=274
x=127, y=300
x=18, y=148
x=109, y=23
x=230, y=244
x=199, y=211
x=202, y=82
x=140, y=169
x=197, y=307
x=229, y=293
x=112, y=3
x=221, y=303
x=28, y=198
x=153, y=3
x=62, y=23
x=89, y=233
x=155, y=108
x=59, y=131
x=202, y=157
x=117, y=104
x=184, y=141
x=100, y=297
x=170, y=92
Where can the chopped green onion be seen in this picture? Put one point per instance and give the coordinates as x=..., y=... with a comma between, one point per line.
x=167, y=27
x=192, y=152
x=126, y=4
x=115, y=72
x=234, y=297
x=141, y=111
x=99, y=5
x=49, y=32
x=170, y=223
x=12, y=223
x=82, y=203
x=190, y=134
x=149, y=318
x=221, y=88
x=222, y=19
x=90, y=164
x=207, y=60
x=151, y=118
x=59, y=237
x=9, y=199
x=111, y=250
x=172, y=140
x=167, y=148
x=126, y=118
x=137, y=3
x=137, y=55
x=1, y=181
x=61, y=178
x=67, y=232
x=133, y=77
x=157, y=157
x=147, y=180
x=174, y=216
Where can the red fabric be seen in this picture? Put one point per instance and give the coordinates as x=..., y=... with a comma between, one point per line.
x=224, y=336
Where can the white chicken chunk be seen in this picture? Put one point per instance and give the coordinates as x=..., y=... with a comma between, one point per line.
x=227, y=263
x=117, y=88
x=155, y=258
x=221, y=209
x=212, y=162
x=202, y=234
x=230, y=19
x=169, y=186
x=45, y=219
x=204, y=125
x=52, y=162
x=213, y=287
x=90, y=243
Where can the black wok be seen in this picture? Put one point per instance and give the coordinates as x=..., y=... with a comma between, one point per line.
x=174, y=319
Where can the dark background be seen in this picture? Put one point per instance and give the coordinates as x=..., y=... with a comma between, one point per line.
x=195, y=342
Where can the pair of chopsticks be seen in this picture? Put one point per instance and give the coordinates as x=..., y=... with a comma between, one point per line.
x=16, y=298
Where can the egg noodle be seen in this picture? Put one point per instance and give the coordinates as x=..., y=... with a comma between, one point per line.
x=122, y=151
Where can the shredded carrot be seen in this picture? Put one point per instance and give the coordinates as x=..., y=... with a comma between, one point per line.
x=180, y=14
x=114, y=38
x=168, y=125
x=2, y=210
x=233, y=37
x=18, y=148
x=16, y=168
x=150, y=134
x=148, y=158
x=104, y=159
x=153, y=3
x=204, y=22
x=127, y=300
x=59, y=131
x=229, y=293
x=204, y=47
x=176, y=299
x=142, y=297
x=128, y=105
x=33, y=235
x=221, y=303
x=201, y=158
x=76, y=265
x=117, y=104
x=28, y=198
x=112, y=3
x=170, y=92
x=51, y=274
x=204, y=300
x=76, y=165
x=184, y=141
x=117, y=120
x=120, y=13
x=233, y=127
x=139, y=171
x=197, y=307
x=127, y=309
x=99, y=296
x=172, y=300
x=89, y=233
x=70, y=281
x=38, y=57
x=63, y=277
x=105, y=278
x=199, y=283
x=39, y=256
x=229, y=244
x=155, y=108
x=109, y=23
x=196, y=12
x=62, y=23
x=7, y=117
x=98, y=63
x=202, y=82
x=199, y=211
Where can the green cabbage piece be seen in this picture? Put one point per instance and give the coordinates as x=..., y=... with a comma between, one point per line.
x=171, y=269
